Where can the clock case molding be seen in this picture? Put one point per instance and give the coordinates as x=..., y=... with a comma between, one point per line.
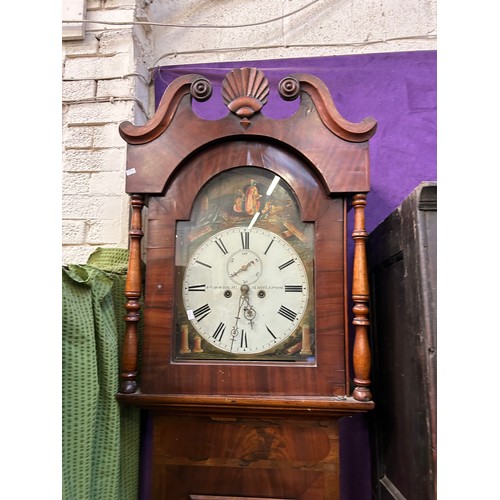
x=325, y=160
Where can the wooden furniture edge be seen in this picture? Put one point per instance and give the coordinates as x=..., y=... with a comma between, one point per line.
x=334, y=406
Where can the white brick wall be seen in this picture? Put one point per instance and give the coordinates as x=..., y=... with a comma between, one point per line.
x=106, y=79
x=102, y=87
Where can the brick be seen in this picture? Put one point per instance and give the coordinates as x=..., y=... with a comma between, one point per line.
x=79, y=89
x=73, y=183
x=114, y=15
x=76, y=254
x=82, y=160
x=108, y=136
x=74, y=232
x=108, y=183
x=114, y=42
x=104, y=232
x=81, y=137
x=113, y=4
x=101, y=160
x=80, y=68
x=94, y=4
x=100, y=112
x=116, y=87
x=91, y=207
x=88, y=46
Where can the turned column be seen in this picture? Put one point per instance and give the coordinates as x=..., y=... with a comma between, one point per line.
x=360, y=297
x=133, y=290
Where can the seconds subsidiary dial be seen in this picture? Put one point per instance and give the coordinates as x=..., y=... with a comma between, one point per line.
x=245, y=291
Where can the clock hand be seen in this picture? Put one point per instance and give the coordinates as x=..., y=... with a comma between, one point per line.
x=235, y=331
x=244, y=267
x=248, y=311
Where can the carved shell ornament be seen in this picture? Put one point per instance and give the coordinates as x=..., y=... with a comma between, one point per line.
x=245, y=91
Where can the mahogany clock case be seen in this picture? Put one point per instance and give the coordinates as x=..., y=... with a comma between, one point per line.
x=327, y=373
x=323, y=160
x=227, y=424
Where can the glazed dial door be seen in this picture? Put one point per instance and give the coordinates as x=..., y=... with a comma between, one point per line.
x=244, y=273
x=245, y=291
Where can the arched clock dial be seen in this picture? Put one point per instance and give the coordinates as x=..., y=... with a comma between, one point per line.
x=245, y=291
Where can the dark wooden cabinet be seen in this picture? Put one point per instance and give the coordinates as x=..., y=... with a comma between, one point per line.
x=402, y=263
x=245, y=362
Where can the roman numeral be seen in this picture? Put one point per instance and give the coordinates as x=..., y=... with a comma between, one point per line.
x=245, y=240
x=222, y=247
x=243, y=341
x=196, y=288
x=219, y=332
x=272, y=334
x=286, y=264
x=268, y=247
x=293, y=288
x=201, y=312
x=287, y=313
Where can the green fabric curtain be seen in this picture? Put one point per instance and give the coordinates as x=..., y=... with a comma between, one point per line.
x=100, y=438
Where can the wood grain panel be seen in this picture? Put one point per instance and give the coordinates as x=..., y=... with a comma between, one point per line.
x=246, y=442
x=182, y=483
x=245, y=457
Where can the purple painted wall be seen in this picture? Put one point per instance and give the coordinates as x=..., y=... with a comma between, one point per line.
x=399, y=91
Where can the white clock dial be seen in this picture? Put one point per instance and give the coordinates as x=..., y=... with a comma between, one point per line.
x=245, y=292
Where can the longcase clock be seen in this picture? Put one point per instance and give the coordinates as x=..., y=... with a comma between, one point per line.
x=246, y=356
